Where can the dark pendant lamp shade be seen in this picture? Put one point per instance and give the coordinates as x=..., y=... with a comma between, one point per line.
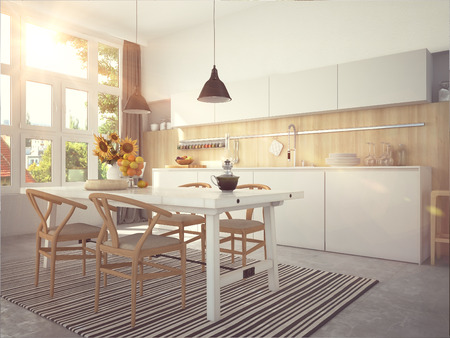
x=214, y=90
x=136, y=104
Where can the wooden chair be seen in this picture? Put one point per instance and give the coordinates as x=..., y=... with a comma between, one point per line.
x=134, y=248
x=181, y=221
x=242, y=228
x=62, y=232
x=437, y=236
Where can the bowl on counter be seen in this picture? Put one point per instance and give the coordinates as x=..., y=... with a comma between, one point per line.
x=186, y=161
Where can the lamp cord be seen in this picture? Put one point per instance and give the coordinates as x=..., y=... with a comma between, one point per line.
x=214, y=29
x=136, y=21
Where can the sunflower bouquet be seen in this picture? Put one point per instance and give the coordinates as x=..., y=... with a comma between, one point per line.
x=112, y=148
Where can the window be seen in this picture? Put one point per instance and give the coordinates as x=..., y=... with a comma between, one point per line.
x=108, y=113
x=76, y=109
x=57, y=52
x=38, y=159
x=52, y=101
x=5, y=46
x=76, y=161
x=108, y=65
x=6, y=160
x=5, y=102
x=38, y=104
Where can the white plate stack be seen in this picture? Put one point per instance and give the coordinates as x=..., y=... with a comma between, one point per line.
x=342, y=160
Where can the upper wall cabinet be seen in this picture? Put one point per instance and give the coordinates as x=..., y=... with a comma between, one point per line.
x=187, y=111
x=249, y=100
x=313, y=90
x=392, y=79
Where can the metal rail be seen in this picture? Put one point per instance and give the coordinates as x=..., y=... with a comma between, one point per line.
x=309, y=132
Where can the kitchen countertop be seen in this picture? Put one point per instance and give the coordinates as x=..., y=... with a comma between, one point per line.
x=301, y=168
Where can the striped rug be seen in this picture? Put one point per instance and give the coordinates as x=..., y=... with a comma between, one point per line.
x=307, y=299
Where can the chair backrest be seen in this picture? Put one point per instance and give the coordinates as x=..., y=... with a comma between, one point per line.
x=51, y=200
x=196, y=184
x=105, y=209
x=249, y=212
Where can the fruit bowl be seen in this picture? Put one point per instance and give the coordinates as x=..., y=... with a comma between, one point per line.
x=184, y=160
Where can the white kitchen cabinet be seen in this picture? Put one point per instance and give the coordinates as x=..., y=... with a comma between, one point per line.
x=186, y=110
x=172, y=178
x=374, y=211
x=379, y=213
x=392, y=79
x=307, y=91
x=249, y=100
x=300, y=223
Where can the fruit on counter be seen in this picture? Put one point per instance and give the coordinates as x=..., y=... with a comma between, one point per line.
x=139, y=159
x=142, y=184
x=184, y=157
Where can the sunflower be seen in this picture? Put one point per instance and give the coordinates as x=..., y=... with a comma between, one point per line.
x=128, y=146
x=114, y=137
x=102, y=147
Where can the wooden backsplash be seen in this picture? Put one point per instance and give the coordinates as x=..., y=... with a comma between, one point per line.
x=426, y=146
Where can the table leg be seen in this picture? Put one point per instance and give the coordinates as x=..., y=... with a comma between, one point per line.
x=212, y=268
x=271, y=247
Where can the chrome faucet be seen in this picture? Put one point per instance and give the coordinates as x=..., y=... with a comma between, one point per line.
x=290, y=150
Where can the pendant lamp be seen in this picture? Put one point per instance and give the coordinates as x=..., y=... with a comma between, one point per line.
x=136, y=103
x=214, y=90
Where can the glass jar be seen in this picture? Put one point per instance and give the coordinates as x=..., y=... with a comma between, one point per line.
x=401, y=154
x=443, y=91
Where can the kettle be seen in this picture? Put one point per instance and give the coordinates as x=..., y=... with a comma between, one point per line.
x=227, y=181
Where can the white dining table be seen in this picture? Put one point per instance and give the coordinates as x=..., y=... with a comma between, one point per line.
x=212, y=203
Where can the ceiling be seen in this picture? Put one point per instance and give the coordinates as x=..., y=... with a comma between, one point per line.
x=117, y=18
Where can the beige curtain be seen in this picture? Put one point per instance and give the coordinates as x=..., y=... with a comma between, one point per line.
x=131, y=77
x=131, y=123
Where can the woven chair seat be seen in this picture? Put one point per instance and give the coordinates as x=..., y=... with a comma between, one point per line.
x=182, y=219
x=242, y=224
x=152, y=242
x=76, y=229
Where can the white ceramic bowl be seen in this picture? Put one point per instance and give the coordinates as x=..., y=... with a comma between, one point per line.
x=154, y=127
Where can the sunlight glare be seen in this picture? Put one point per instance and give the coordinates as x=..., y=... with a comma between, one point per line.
x=45, y=52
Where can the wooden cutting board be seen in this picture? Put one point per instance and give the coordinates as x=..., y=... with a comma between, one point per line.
x=185, y=166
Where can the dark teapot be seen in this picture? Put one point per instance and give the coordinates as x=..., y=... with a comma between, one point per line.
x=226, y=181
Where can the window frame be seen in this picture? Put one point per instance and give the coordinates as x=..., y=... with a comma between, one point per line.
x=19, y=73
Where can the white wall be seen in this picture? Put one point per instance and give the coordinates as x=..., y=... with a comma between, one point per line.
x=18, y=216
x=286, y=36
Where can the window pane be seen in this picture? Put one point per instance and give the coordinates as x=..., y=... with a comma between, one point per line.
x=108, y=65
x=108, y=113
x=38, y=160
x=76, y=161
x=38, y=104
x=5, y=42
x=6, y=160
x=76, y=109
x=5, y=99
x=57, y=52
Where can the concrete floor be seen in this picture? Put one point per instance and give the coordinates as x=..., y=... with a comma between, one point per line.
x=410, y=300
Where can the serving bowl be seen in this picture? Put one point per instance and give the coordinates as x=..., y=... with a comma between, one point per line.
x=185, y=161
